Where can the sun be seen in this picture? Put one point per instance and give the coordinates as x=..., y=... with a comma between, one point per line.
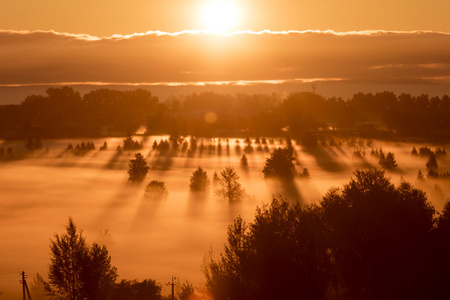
x=220, y=15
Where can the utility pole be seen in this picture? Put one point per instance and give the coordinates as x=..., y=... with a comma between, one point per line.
x=25, y=286
x=172, y=284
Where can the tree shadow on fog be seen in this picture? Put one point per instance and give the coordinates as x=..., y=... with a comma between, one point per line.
x=286, y=189
x=234, y=209
x=324, y=160
x=146, y=210
x=196, y=203
x=162, y=162
x=112, y=162
x=363, y=163
x=119, y=202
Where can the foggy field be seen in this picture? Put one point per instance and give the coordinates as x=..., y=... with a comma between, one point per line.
x=158, y=239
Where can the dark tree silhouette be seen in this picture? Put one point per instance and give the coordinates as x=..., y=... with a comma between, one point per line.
x=377, y=234
x=156, y=190
x=77, y=271
x=129, y=143
x=432, y=163
x=282, y=255
x=188, y=292
x=199, y=181
x=387, y=161
x=244, y=161
x=138, y=168
x=420, y=176
x=280, y=164
x=230, y=189
x=439, y=262
x=305, y=174
x=147, y=289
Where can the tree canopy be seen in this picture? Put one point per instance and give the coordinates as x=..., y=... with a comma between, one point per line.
x=369, y=239
x=138, y=168
x=230, y=189
x=280, y=164
x=77, y=270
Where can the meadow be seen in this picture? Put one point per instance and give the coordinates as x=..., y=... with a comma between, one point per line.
x=40, y=189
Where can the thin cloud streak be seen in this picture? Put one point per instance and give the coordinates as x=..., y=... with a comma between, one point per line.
x=87, y=37
x=197, y=83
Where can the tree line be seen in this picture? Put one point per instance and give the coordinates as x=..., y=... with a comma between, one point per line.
x=63, y=112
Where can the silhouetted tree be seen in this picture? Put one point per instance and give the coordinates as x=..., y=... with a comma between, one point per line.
x=188, y=292
x=138, y=168
x=230, y=189
x=77, y=271
x=305, y=174
x=281, y=255
x=156, y=190
x=439, y=262
x=215, y=177
x=199, y=181
x=33, y=143
x=37, y=288
x=420, y=176
x=440, y=152
x=104, y=146
x=244, y=161
x=147, y=289
x=388, y=161
x=377, y=234
x=425, y=151
x=280, y=164
x=129, y=143
x=432, y=163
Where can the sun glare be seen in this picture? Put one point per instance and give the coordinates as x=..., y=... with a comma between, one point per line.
x=220, y=15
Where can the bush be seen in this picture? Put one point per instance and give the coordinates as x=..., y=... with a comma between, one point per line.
x=280, y=164
x=156, y=190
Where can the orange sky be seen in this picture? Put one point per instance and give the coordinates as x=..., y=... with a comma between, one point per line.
x=107, y=17
x=57, y=42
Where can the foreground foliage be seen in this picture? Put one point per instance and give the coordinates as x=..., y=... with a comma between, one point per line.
x=366, y=240
x=77, y=270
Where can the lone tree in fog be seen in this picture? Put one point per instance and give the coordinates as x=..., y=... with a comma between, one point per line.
x=432, y=162
x=280, y=164
x=199, y=181
x=78, y=271
x=244, y=161
x=156, y=190
x=138, y=168
x=230, y=189
x=387, y=161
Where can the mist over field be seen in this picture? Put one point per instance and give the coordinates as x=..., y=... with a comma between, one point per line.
x=158, y=239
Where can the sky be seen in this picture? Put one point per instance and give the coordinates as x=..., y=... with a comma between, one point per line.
x=137, y=42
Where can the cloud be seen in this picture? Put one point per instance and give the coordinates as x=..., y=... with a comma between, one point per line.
x=203, y=57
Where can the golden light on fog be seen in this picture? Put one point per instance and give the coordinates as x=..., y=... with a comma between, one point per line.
x=220, y=15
